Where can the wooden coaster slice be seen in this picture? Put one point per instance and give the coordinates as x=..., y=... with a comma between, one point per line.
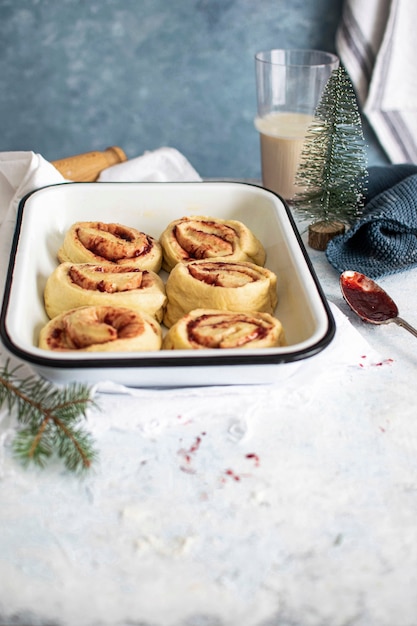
x=320, y=233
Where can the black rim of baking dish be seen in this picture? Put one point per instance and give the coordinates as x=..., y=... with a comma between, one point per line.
x=187, y=357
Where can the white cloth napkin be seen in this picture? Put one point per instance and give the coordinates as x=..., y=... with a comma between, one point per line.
x=162, y=165
x=22, y=172
x=377, y=44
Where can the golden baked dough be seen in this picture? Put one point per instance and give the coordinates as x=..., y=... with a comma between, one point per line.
x=73, y=285
x=225, y=285
x=205, y=328
x=101, y=329
x=99, y=242
x=199, y=237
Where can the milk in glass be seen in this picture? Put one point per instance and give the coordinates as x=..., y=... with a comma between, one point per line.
x=282, y=137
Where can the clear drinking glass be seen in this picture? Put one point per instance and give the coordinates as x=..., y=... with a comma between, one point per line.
x=289, y=85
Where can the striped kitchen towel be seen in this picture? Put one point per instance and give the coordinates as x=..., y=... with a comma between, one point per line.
x=377, y=44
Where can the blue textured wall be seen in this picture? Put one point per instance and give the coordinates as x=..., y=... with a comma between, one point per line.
x=79, y=75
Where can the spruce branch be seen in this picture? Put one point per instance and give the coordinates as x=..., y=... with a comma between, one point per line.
x=333, y=166
x=50, y=420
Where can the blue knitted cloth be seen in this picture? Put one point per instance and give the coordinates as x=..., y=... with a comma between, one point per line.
x=384, y=240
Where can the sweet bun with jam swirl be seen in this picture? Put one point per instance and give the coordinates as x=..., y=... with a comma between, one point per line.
x=74, y=285
x=198, y=237
x=204, y=328
x=101, y=329
x=216, y=284
x=101, y=242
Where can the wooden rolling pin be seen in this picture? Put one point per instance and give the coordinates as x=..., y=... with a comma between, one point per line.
x=86, y=167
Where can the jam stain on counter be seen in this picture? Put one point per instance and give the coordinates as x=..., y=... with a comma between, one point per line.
x=188, y=455
x=255, y=458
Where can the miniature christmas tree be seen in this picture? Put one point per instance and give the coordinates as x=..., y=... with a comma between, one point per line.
x=333, y=168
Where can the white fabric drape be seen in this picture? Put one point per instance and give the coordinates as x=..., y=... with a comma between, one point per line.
x=377, y=43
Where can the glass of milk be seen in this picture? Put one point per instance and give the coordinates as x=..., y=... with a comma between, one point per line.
x=289, y=84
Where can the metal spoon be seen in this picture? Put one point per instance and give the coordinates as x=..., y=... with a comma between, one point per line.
x=370, y=301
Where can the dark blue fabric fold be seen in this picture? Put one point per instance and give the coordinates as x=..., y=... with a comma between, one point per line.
x=384, y=240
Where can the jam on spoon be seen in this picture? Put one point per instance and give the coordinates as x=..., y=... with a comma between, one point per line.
x=370, y=301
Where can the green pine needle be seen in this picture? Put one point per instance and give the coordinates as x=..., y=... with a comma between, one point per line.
x=333, y=167
x=50, y=420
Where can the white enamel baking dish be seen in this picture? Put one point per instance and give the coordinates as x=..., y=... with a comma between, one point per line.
x=43, y=219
